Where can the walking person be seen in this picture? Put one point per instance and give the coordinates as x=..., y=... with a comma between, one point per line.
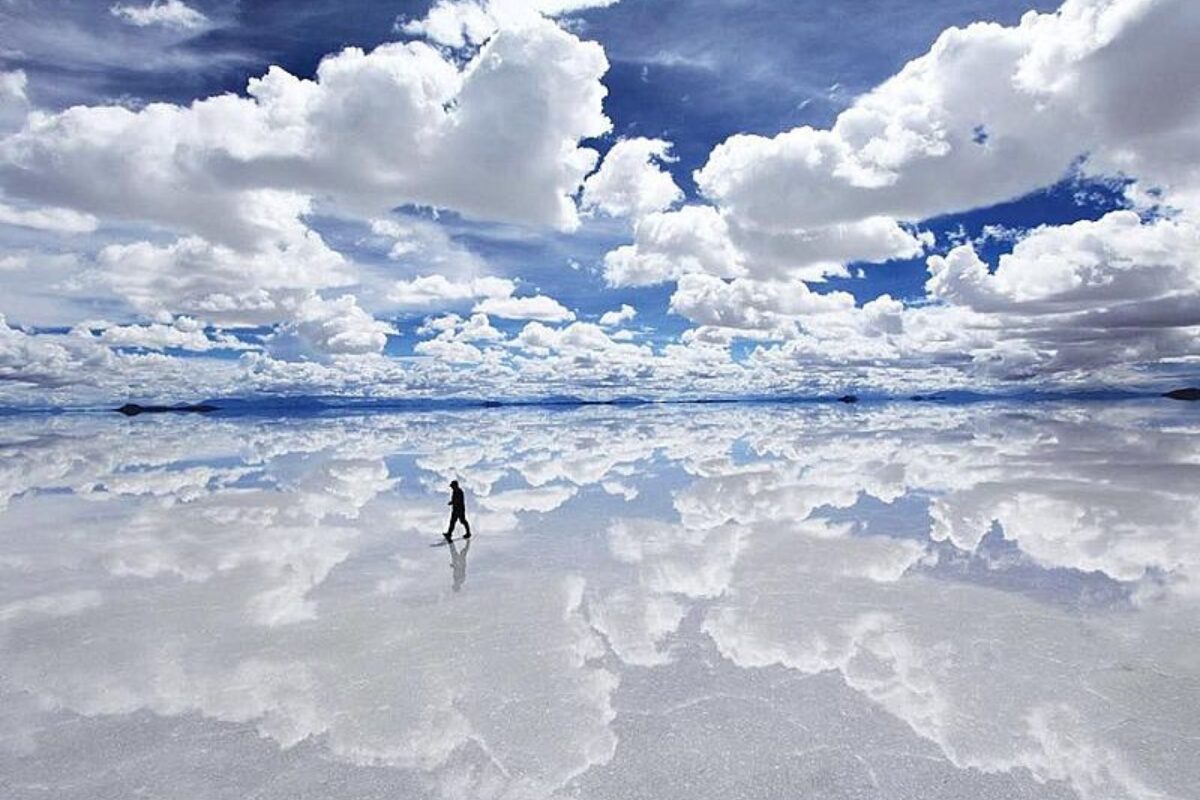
x=458, y=511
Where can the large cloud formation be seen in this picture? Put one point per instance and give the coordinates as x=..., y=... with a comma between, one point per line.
x=989, y=114
x=399, y=125
x=495, y=138
x=206, y=211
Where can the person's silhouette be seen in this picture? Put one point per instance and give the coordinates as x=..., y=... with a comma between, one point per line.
x=458, y=511
x=458, y=563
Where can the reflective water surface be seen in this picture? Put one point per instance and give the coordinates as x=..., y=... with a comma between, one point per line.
x=896, y=601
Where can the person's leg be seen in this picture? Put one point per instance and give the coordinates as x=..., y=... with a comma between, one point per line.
x=453, y=521
x=466, y=525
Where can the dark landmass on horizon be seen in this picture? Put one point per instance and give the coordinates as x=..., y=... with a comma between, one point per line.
x=133, y=409
x=322, y=404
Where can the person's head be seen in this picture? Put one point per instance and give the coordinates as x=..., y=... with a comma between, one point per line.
x=453, y=484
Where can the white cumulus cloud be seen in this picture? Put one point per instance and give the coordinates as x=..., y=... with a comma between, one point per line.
x=457, y=23
x=539, y=307
x=428, y=291
x=624, y=314
x=168, y=13
x=631, y=181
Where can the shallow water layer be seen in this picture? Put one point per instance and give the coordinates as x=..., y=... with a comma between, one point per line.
x=894, y=601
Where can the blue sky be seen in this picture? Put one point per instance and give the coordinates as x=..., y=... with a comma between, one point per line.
x=782, y=203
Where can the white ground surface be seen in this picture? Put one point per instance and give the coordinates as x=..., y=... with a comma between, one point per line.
x=905, y=601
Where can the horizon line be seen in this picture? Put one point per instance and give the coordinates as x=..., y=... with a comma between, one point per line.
x=284, y=405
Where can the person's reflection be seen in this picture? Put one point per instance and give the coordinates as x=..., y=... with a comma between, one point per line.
x=458, y=563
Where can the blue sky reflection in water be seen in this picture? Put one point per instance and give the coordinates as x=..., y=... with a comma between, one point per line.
x=892, y=601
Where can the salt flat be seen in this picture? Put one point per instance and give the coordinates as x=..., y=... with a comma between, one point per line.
x=882, y=601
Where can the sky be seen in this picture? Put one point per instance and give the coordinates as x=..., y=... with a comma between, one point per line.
x=597, y=198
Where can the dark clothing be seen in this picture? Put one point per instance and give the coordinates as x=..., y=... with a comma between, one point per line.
x=458, y=511
x=457, y=516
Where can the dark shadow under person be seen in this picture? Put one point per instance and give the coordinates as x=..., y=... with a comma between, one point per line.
x=458, y=563
x=458, y=511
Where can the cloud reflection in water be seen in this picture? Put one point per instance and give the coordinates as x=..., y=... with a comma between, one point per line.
x=886, y=601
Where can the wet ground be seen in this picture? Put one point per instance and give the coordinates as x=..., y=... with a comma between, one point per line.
x=882, y=601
